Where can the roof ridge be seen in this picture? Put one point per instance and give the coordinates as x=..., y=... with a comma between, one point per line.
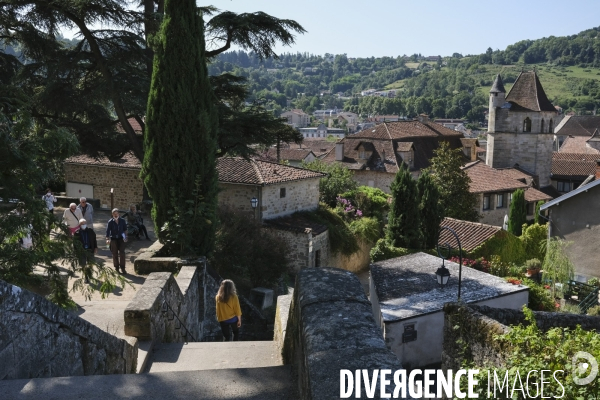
x=254, y=164
x=387, y=130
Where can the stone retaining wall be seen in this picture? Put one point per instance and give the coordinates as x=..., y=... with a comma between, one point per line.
x=190, y=296
x=331, y=327
x=282, y=312
x=38, y=339
x=469, y=332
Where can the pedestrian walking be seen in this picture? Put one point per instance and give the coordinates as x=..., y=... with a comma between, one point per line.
x=71, y=217
x=229, y=313
x=116, y=237
x=49, y=199
x=87, y=211
x=87, y=237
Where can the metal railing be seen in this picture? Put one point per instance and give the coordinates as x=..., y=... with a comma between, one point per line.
x=166, y=308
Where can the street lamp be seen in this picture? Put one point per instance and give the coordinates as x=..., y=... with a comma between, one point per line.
x=254, y=202
x=442, y=273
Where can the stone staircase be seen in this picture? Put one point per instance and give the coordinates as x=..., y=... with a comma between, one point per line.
x=211, y=370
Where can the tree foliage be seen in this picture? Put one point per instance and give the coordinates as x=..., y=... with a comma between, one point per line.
x=518, y=213
x=430, y=210
x=179, y=168
x=453, y=183
x=339, y=180
x=403, y=221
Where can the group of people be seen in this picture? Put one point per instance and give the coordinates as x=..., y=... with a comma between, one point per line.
x=79, y=219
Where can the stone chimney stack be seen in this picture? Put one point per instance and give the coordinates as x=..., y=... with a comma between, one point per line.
x=423, y=118
x=339, y=151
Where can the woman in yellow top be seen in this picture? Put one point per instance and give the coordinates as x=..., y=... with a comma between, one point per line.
x=229, y=313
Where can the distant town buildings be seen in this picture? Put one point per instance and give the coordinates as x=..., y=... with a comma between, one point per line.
x=296, y=118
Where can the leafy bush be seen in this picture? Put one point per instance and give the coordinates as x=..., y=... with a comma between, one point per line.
x=505, y=245
x=383, y=250
x=244, y=249
x=532, y=238
x=593, y=282
x=339, y=179
x=499, y=267
x=373, y=202
x=534, y=263
x=366, y=229
x=594, y=311
x=540, y=298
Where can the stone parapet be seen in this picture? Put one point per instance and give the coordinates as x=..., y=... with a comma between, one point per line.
x=331, y=327
x=38, y=339
x=148, y=261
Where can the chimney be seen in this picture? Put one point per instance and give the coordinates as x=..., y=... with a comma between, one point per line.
x=597, y=169
x=339, y=151
x=423, y=118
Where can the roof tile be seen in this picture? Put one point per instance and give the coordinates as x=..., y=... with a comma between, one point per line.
x=259, y=172
x=471, y=234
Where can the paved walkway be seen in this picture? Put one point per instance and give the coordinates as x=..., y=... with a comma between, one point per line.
x=107, y=313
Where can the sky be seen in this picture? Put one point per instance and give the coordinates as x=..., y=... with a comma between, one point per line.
x=366, y=28
x=378, y=28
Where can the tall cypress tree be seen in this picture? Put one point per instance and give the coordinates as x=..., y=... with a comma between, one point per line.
x=518, y=212
x=179, y=168
x=403, y=220
x=430, y=210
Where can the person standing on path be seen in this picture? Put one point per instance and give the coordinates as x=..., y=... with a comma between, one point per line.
x=87, y=211
x=87, y=237
x=49, y=199
x=116, y=236
x=71, y=217
x=229, y=313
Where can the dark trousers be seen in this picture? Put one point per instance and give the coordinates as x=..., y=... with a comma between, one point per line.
x=227, y=333
x=117, y=248
x=143, y=230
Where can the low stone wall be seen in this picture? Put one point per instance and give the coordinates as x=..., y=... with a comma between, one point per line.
x=331, y=327
x=190, y=296
x=148, y=261
x=282, y=312
x=38, y=339
x=469, y=332
x=356, y=262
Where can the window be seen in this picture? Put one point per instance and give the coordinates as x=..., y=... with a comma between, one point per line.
x=486, y=202
x=281, y=193
x=563, y=186
x=317, y=258
x=510, y=197
x=542, y=130
x=499, y=200
x=551, y=126
x=527, y=125
x=361, y=154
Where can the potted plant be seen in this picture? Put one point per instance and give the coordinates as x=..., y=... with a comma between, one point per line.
x=533, y=266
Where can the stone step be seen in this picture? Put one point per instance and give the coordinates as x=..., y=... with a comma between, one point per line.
x=199, y=356
x=268, y=383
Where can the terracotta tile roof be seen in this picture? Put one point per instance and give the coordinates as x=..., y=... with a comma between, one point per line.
x=129, y=161
x=487, y=179
x=259, y=172
x=471, y=234
x=534, y=195
x=390, y=137
x=134, y=124
x=577, y=144
x=573, y=164
x=578, y=125
x=295, y=223
x=519, y=175
x=288, y=154
x=528, y=93
x=318, y=147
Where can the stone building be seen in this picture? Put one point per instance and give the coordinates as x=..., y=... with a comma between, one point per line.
x=575, y=217
x=294, y=157
x=494, y=188
x=407, y=303
x=577, y=126
x=571, y=170
x=374, y=155
x=521, y=127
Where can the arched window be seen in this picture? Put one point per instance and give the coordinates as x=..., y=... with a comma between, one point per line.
x=542, y=130
x=551, y=127
x=527, y=125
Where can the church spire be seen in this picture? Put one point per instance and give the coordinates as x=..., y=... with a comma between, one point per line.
x=498, y=86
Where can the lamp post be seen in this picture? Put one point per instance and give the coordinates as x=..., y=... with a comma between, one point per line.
x=254, y=203
x=112, y=198
x=442, y=273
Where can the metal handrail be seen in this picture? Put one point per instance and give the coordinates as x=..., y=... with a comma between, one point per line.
x=589, y=301
x=187, y=331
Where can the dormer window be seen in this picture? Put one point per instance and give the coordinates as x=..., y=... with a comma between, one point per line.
x=527, y=125
x=361, y=154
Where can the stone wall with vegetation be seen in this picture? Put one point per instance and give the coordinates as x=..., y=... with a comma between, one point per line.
x=300, y=195
x=355, y=262
x=469, y=332
x=127, y=185
x=38, y=339
x=380, y=180
x=331, y=327
x=190, y=296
